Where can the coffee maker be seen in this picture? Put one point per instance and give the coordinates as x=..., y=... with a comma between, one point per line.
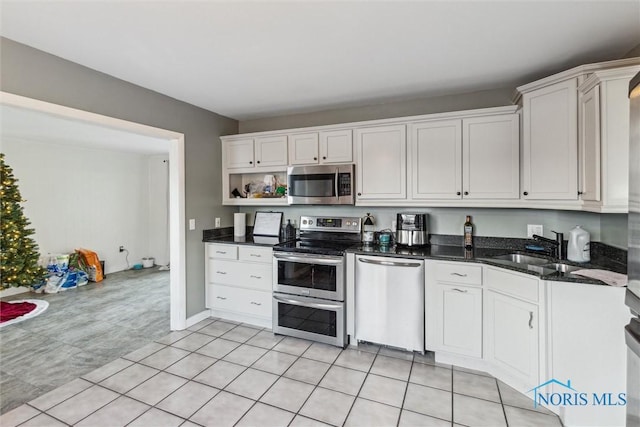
x=412, y=229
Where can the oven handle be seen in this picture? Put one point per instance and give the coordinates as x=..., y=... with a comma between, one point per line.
x=307, y=304
x=316, y=259
x=389, y=263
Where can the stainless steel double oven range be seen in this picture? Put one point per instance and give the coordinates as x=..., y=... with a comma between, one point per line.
x=309, y=280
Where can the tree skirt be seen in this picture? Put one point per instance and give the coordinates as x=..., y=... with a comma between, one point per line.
x=19, y=310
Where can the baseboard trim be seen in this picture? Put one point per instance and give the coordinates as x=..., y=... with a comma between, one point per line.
x=197, y=318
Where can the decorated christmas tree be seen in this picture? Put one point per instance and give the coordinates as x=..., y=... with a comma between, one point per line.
x=18, y=251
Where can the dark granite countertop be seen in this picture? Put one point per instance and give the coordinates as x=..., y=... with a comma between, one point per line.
x=449, y=248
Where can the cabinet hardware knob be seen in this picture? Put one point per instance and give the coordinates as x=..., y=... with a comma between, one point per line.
x=466, y=193
x=580, y=193
x=531, y=320
x=256, y=303
x=221, y=272
x=324, y=157
x=460, y=290
x=258, y=162
x=251, y=162
x=526, y=193
x=459, y=274
x=458, y=193
x=359, y=194
x=315, y=158
x=222, y=298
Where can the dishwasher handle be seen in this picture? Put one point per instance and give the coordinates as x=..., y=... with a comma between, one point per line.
x=389, y=263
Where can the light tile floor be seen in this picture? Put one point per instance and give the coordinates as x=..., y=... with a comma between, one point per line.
x=224, y=374
x=83, y=329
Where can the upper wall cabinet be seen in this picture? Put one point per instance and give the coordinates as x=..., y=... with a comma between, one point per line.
x=326, y=147
x=603, y=139
x=550, y=142
x=381, y=171
x=472, y=158
x=267, y=151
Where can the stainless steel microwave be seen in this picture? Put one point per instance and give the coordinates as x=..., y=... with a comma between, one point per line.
x=321, y=185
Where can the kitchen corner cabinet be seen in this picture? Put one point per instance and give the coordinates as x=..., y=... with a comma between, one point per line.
x=454, y=304
x=511, y=324
x=325, y=147
x=550, y=142
x=260, y=152
x=382, y=163
x=472, y=158
x=239, y=282
x=603, y=139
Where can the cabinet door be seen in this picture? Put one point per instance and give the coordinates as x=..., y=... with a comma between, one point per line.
x=239, y=153
x=271, y=151
x=550, y=142
x=589, y=144
x=436, y=153
x=459, y=319
x=491, y=157
x=336, y=146
x=511, y=336
x=303, y=149
x=382, y=162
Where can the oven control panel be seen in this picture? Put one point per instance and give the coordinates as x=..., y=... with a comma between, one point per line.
x=335, y=224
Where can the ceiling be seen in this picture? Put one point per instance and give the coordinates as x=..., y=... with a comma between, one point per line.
x=22, y=124
x=254, y=59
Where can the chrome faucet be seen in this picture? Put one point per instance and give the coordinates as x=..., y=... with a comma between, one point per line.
x=558, y=243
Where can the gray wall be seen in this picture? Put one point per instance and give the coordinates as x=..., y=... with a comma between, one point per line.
x=614, y=230
x=440, y=104
x=35, y=74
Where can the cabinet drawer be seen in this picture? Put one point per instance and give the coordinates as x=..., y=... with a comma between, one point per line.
x=215, y=250
x=224, y=272
x=459, y=273
x=513, y=284
x=255, y=276
x=245, y=301
x=254, y=254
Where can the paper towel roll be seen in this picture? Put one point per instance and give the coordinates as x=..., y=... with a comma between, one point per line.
x=239, y=224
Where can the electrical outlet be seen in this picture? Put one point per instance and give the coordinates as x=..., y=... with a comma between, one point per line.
x=192, y=224
x=534, y=229
x=121, y=249
x=217, y=223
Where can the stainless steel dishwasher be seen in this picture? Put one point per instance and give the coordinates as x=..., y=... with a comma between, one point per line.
x=389, y=300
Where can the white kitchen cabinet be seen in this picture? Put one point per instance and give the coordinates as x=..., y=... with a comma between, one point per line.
x=603, y=137
x=326, y=147
x=261, y=152
x=436, y=156
x=473, y=158
x=336, y=146
x=453, y=301
x=491, y=157
x=303, y=148
x=381, y=163
x=511, y=341
x=239, y=282
x=550, y=142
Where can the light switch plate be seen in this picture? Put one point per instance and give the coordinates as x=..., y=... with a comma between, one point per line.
x=192, y=224
x=217, y=223
x=534, y=229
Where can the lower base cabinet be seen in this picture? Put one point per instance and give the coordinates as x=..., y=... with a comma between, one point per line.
x=458, y=320
x=511, y=339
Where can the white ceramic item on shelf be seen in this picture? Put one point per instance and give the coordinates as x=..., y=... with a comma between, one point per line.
x=578, y=248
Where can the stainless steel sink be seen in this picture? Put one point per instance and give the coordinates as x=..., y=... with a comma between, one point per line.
x=563, y=268
x=522, y=259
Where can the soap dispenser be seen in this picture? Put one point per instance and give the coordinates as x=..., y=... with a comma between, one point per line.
x=578, y=248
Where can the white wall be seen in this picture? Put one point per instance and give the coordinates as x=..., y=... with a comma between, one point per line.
x=158, y=219
x=83, y=197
